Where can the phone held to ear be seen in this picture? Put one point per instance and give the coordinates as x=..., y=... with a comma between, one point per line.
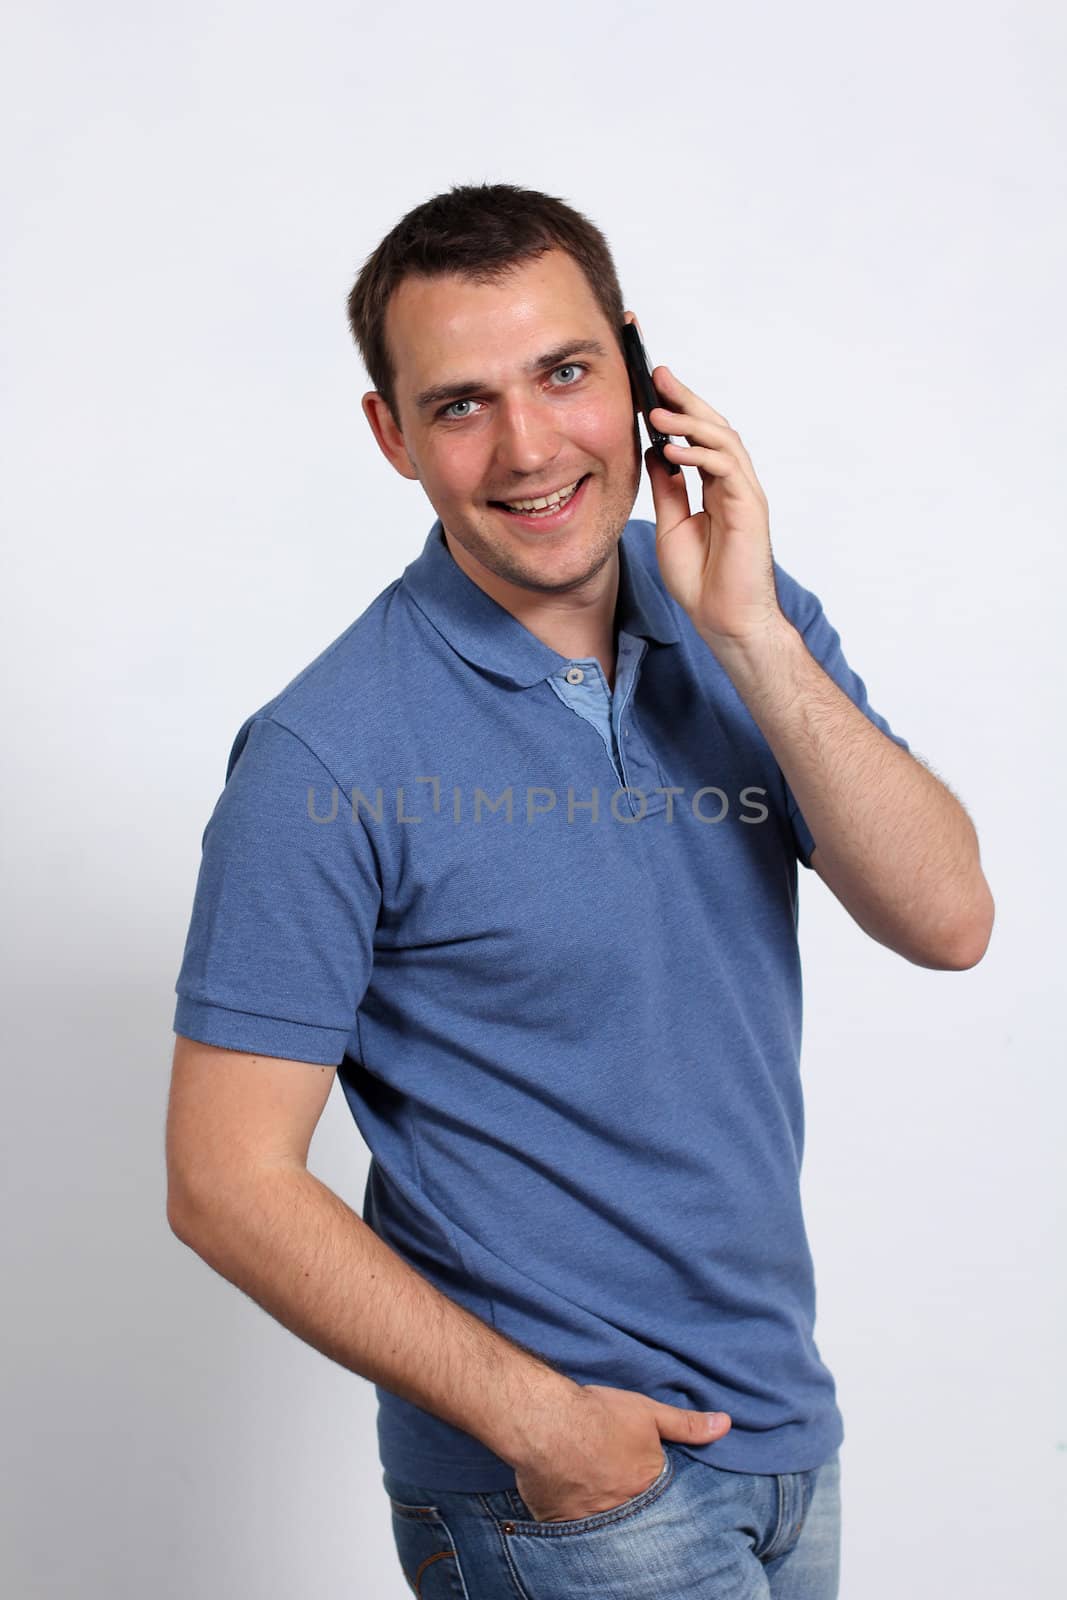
x=644, y=390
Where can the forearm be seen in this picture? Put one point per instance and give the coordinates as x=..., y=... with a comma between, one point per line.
x=301, y=1253
x=894, y=843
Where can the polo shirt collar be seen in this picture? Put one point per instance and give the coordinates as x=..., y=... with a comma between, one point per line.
x=484, y=633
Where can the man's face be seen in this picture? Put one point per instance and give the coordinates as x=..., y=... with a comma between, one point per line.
x=511, y=428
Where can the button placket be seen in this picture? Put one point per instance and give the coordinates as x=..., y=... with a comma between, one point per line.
x=632, y=764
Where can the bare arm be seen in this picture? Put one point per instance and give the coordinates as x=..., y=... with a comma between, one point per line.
x=894, y=844
x=240, y=1195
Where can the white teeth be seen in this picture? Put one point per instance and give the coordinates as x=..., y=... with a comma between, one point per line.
x=560, y=497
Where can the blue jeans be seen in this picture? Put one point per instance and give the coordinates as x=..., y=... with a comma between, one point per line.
x=697, y=1533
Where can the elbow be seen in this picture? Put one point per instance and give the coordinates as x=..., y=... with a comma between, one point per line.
x=183, y=1208
x=970, y=940
x=178, y=1216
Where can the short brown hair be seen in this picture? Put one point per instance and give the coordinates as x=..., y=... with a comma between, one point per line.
x=481, y=231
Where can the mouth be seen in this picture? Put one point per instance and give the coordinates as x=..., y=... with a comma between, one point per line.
x=549, y=517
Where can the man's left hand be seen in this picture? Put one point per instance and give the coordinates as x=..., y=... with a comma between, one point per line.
x=716, y=562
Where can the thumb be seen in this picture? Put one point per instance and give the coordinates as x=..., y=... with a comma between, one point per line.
x=670, y=496
x=689, y=1427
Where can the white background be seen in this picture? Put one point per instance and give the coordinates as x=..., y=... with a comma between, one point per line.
x=842, y=226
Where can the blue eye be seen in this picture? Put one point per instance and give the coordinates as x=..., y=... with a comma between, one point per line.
x=568, y=366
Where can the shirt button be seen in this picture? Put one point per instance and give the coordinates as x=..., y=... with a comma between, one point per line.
x=575, y=675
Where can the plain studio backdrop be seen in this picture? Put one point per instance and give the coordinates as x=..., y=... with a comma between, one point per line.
x=844, y=228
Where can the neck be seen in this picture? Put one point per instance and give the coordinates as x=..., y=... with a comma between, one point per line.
x=577, y=622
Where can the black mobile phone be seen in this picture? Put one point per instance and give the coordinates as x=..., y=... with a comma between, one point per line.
x=644, y=391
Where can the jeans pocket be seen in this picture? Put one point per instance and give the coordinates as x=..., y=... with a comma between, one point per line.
x=639, y=1550
x=427, y=1552
x=525, y=1524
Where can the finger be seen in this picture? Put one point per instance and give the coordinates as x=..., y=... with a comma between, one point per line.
x=718, y=463
x=694, y=427
x=670, y=495
x=699, y=429
x=675, y=391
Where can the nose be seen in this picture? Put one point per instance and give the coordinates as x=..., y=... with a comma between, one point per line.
x=528, y=438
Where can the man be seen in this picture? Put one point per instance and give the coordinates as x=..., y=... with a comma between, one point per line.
x=515, y=857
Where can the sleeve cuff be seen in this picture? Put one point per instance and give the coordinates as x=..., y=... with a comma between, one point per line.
x=259, y=1035
x=804, y=842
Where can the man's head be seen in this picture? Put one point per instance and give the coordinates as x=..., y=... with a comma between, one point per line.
x=489, y=320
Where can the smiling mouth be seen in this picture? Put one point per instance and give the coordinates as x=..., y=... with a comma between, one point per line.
x=537, y=506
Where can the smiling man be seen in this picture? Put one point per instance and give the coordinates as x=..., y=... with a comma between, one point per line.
x=535, y=403
x=515, y=860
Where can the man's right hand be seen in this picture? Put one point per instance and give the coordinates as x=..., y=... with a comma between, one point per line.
x=604, y=1448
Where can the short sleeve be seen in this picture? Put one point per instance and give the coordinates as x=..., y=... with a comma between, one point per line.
x=281, y=939
x=804, y=610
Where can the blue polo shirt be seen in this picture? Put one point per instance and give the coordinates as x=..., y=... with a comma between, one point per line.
x=548, y=936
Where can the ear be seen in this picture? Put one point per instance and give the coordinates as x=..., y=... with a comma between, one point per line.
x=388, y=435
x=629, y=316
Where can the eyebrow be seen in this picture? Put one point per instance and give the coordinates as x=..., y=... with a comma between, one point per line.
x=552, y=358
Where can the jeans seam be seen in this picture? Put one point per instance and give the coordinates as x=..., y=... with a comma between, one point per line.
x=429, y=1514
x=504, y=1548
x=779, y=1526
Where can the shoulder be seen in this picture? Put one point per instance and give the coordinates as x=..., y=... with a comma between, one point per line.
x=639, y=538
x=338, y=703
